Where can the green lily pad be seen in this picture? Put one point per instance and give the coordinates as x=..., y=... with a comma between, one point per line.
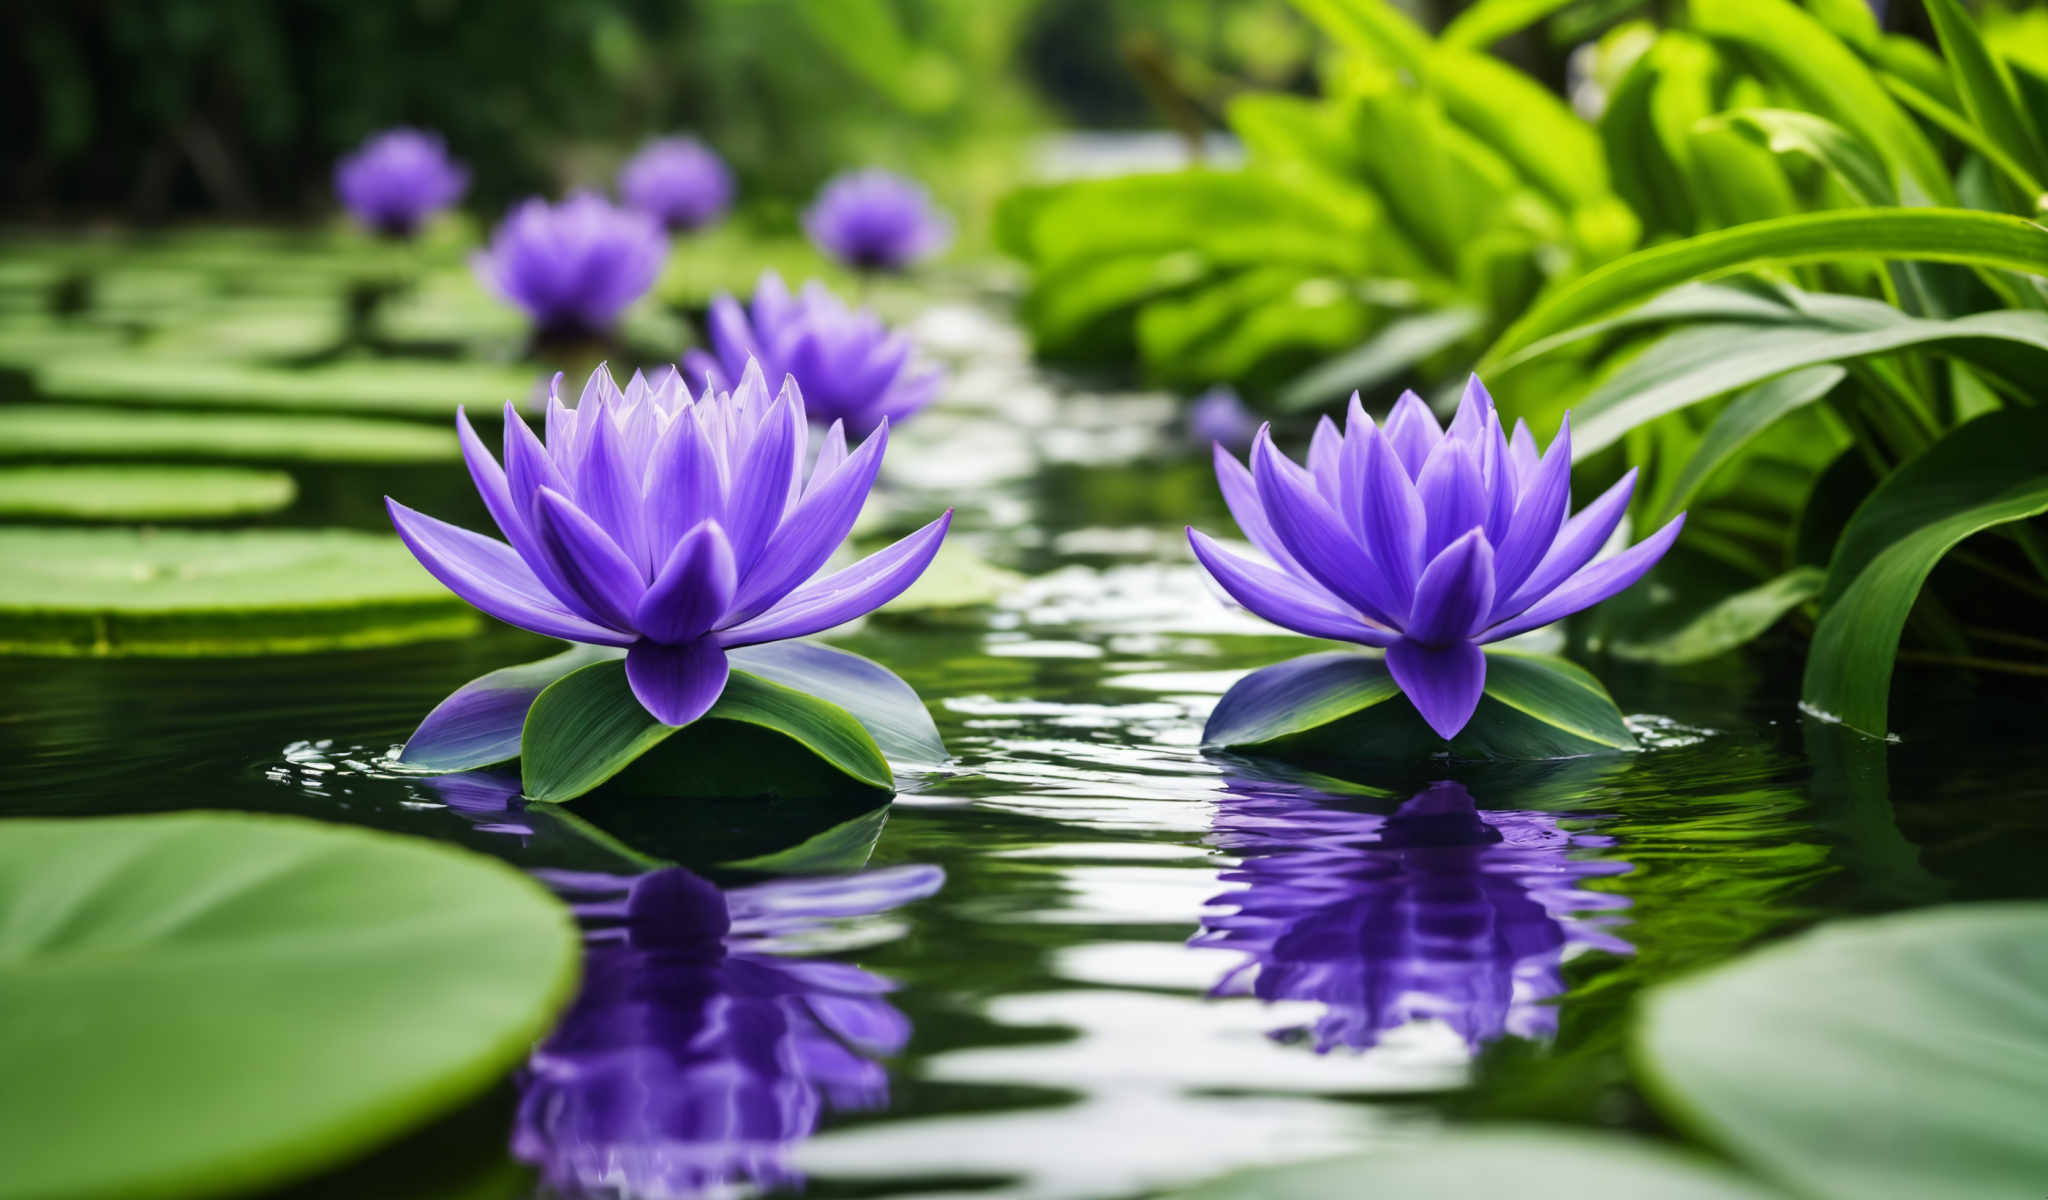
x=63, y=431
x=761, y=738
x=1526, y=1162
x=182, y=591
x=205, y=1003
x=138, y=493
x=1900, y=1057
x=957, y=578
x=1344, y=705
x=379, y=388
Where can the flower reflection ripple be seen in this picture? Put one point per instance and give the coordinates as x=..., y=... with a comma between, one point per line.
x=1441, y=911
x=697, y=1054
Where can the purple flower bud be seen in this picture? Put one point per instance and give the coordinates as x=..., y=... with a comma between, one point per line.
x=676, y=528
x=1219, y=417
x=677, y=181
x=850, y=366
x=1425, y=541
x=398, y=179
x=1442, y=911
x=697, y=1055
x=574, y=266
x=876, y=220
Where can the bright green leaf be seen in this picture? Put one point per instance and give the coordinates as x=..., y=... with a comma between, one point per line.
x=1739, y=424
x=1729, y=622
x=142, y=493
x=64, y=431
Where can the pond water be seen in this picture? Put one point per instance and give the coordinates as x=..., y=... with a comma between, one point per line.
x=1085, y=959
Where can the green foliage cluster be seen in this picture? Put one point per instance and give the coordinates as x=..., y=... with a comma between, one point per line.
x=1791, y=271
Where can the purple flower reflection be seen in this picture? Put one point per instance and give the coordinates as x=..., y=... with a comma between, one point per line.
x=695, y=1055
x=1442, y=911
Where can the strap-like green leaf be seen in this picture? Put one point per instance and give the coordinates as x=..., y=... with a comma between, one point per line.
x=588, y=726
x=1986, y=88
x=1746, y=416
x=1986, y=473
x=1932, y=234
x=1393, y=349
x=1732, y=621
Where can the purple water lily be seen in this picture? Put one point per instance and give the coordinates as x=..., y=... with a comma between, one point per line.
x=695, y=1055
x=875, y=220
x=676, y=528
x=679, y=182
x=1425, y=541
x=1218, y=417
x=1441, y=911
x=398, y=179
x=573, y=266
x=852, y=368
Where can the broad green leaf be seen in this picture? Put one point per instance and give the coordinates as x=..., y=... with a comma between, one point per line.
x=1897, y=1057
x=1739, y=424
x=1980, y=475
x=1930, y=234
x=587, y=727
x=206, y=1004
x=1791, y=132
x=1345, y=705
x=183, y=592
x=1827, y=77
x=63, y=431
x=1489, y=21
x=957, y=578
x=1529, y=1162
x=1728, y=623
x=480, y=722
x=1986, y=89
x=1698, y=363
x=142, y=493
x=887, y=707
x=1394, y=348
x=1685, y=304
x=376, y=388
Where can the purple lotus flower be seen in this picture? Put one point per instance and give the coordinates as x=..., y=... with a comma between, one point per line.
x=1422, y=540
x=851, y=367
x=574, y=266
x=398, y=179
x=1218, y=417
x=1442, y=911
x=677, y=181
x=676, y=528
x=696, y=1056
x=876, y=220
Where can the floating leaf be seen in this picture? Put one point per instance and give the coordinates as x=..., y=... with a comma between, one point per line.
x=138, y=493
x=62, y=431
x=431, y=389
x=956, y=578
x=1345, y=705
x=480, y=722
x=1898, y=1057
x=1546, y=1162
x=177, y=591
x=205, y=1003
x=1980, y=475
x=588, y=727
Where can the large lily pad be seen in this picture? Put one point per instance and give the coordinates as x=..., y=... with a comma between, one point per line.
x=1900, y=1057
x=401, y=388
x=204, y=1004
x=174, y=591
x=62, y=431
x=1345, y=705
x=141, y=493
x=1526, y=1162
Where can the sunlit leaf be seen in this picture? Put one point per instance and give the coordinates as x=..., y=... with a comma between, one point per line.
x=142, y=493
x=63, y=431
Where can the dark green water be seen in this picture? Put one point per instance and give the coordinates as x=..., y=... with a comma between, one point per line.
x=1103, y=877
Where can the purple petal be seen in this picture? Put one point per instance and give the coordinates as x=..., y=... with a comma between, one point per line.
x=1474, y=406
x=1453, y=497
x=1538, y=515
x=693, y=589
x=594, y=566
x=608, y=490
x=1241, y=495
x=1455, y=593
x=492, y=577
x=831, y=453
x=685, y=484
x=1577, y=542
x=677, y=684
x=1279, y=599
x=702, y=371
x=1316, y=536
x=1392, y=518
x=762, y=480
x=1444, y=683
x=1593, y=584
x=1522, y=454
x=1414, y=431
x=1325, y=452
x=1498, y=477
x=844, y=595
x=814, y=529
x=731, y=334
